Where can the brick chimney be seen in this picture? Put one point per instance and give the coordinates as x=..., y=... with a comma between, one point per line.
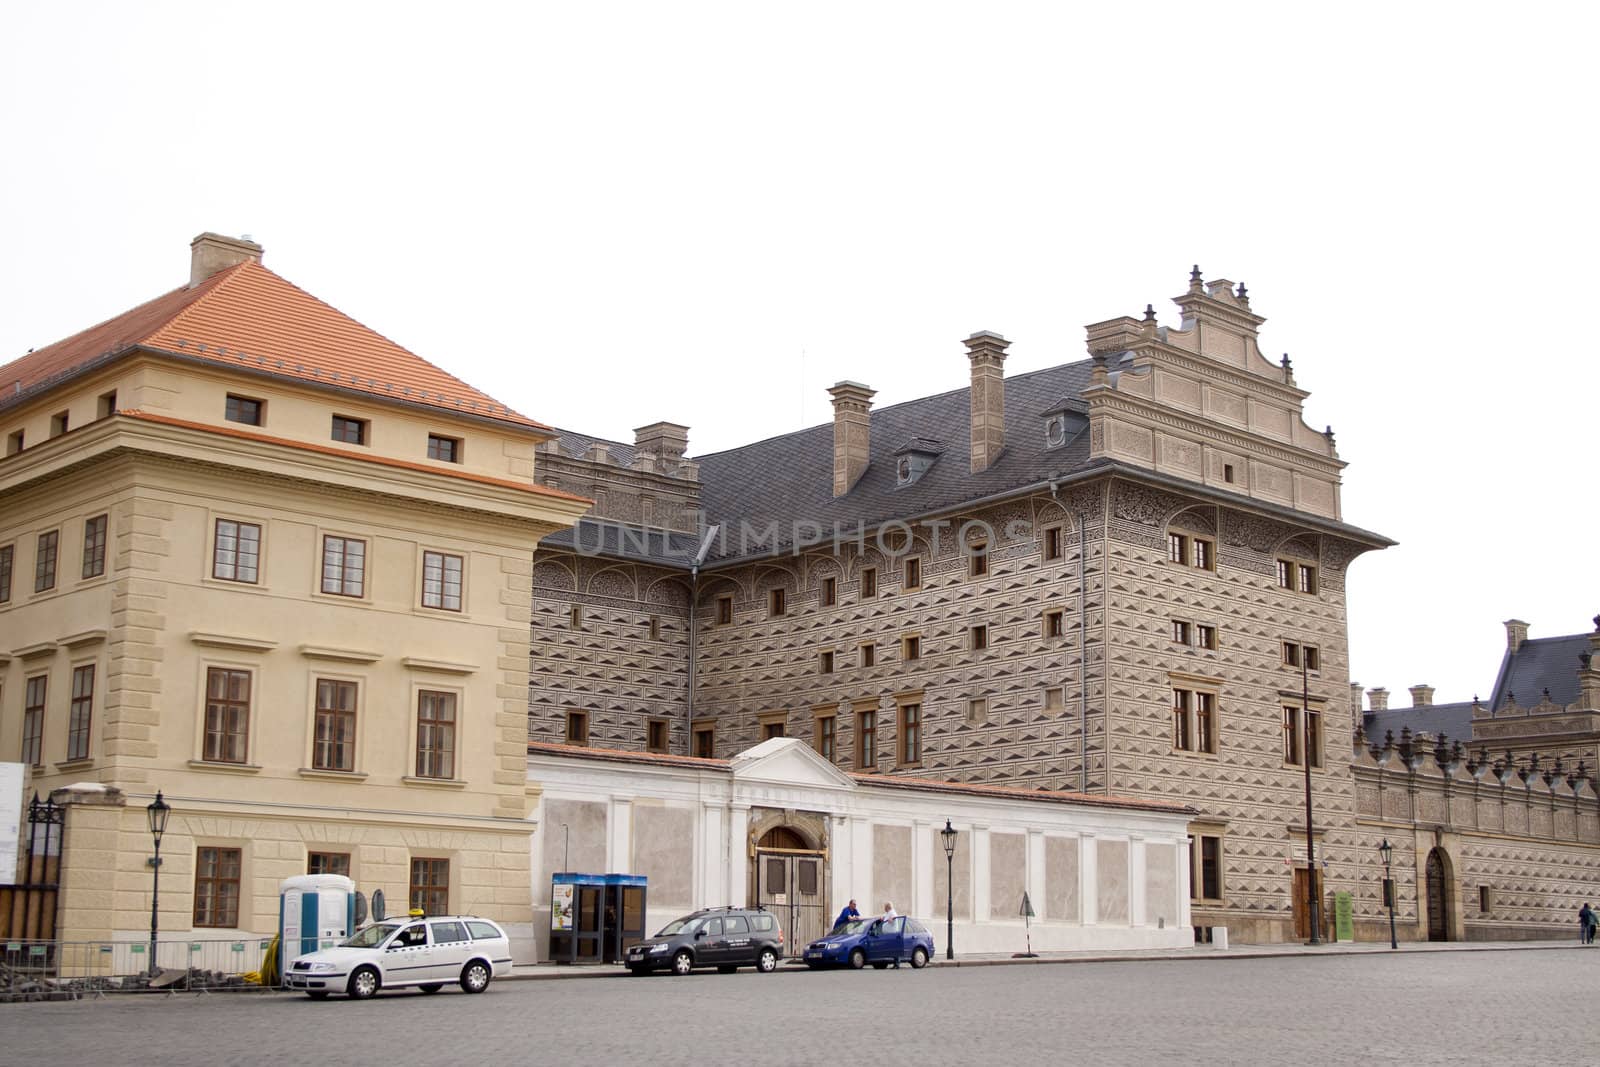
x=211, y=252
x=987, y=351
x=659, y=447
x=852, y=442
x=1378, y=699
x=1421, y=696
x=1516, y=633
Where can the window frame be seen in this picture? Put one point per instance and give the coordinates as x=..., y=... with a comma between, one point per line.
x=869, y=583
x=1298, y=576
x=1205, y=636
x=337, y=751
x=827, y=661
x=724, y=615
x=96, y=534
x=978, y=559
x=46, y=563
x=911, y=574
x=211, y=890
x=341, y=583
x=441, y=595
x=312, y=864
x=703, y=739
x=777, y=602
x=866, y=738
x=910, y=648
x=430, y=728
x=1198, y=865
x=1054, y=541
x=1054, y=624
x=908, y=733
x=1195, y=717
x=35, y=705
x=867, y=654
x=437, y=443
x=578, y=737
x=825, y=733
x=773, y=724
x=978, y=637
x=8, y=563
x=236, y=565
x=208, y=753
x=234, y=406
x=828, y=594
x=80, y=714
x=1181, y=631
x=432, y=888
x=343, y=425
x=1307, y=735
x=657, y=735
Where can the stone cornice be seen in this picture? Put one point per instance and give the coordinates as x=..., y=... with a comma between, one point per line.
x=1102, y=400
x=438, y=666
x=1216, y=370
x=340, y=655
x=232, y=641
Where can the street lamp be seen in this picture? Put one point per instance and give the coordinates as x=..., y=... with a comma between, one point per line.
x=948, y=834
x=1305, y=745
x=158, y=812
x=1386, y=850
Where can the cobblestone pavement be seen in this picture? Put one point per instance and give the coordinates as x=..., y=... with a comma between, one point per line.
x=1412, y=1008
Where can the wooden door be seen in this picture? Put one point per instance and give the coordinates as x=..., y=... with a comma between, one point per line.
x=1438, y=900
x=790, y=885
x=1302, y=903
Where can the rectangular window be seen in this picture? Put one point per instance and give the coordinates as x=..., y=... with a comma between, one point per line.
x=6, y=554
x=1205, y=723
x=1180, y=631
x=58, y=423
x=1055, y=623
x=106, y=405
x=656, y=735
x=724, y=610
x=334, y=744
x=1291, y=736
x=1305, y=578
x=1206, y=881
x=82, y=712
x=869, y=655
x=33, y=720
x=1314, y=737
x=655, y=627
x=827, y=737
x=866, y=740
x=979, y=559
x=825, y=661
x=575, y=617
x=977, y=710
x=1203, y=553
x=94, y=547
x=328, y=863
x=344, y=566
x=1485, y=899
x=773, y=728
x=869, y=582
x=236, y=554
x=1313, y=659
x=577, y=728
x=1182, y=700
x=243, y=409
x=1291, y=654
x=436, y=734
x=1285, y=574
x=910, y=648
x=777, y=603
x=1227, y=473
x=349, y=431
x=430, y=886
x=1177, y=548
x=913, y=573
x=227, y=715
x=979, y=638
x=14, y=443
x=44, y=562
x=216, y=886
x=1052, y=543
x=705, y=741
x=910, y=734
x=441, y=581
x=444, y=449
x=1205, y=636
x=830, y=592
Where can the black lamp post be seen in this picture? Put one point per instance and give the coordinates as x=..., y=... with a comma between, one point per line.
x=1386, y=850
x=948, y=834
x=158, y=811
x=1311, y=848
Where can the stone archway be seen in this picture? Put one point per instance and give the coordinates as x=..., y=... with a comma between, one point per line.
x=789, y=873
x=1438, y=891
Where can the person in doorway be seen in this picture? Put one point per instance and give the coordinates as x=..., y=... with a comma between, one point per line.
x=1586, y=924
x=846, y=914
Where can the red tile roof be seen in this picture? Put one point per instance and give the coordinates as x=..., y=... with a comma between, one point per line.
x=246, y=316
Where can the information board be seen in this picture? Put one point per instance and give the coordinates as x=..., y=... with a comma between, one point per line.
x=1344, y=924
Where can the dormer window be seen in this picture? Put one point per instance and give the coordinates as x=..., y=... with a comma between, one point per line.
x=1064, y=422
x=1055, y=431
x=913, y=459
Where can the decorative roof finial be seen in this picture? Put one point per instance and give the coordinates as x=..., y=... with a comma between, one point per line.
x=1285, y=364
x=1243, y=294
x=1328, y=433
x=1547, y=692
x=1195, y=284
x=1149, y=313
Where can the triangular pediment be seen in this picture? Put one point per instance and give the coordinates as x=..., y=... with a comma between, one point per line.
x=788, y=761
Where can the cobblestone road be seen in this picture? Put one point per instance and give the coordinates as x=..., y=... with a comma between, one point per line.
x=1459, y=1007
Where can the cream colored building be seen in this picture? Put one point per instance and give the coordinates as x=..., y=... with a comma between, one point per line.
x=260, y=558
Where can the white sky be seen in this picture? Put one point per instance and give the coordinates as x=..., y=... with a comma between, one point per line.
x=609, y=214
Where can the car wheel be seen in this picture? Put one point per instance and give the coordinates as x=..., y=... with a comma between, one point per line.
x=475, y=977
x=682, y=963
x=858, y=959
x=317, y=994
x=364, y=983
x=919, y=958
x=431, y=987
x=767, y=962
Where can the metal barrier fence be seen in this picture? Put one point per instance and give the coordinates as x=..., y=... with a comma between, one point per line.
x=114, y=965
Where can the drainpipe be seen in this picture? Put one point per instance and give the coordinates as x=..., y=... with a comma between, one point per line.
x=694, y=601
x=1083, y=658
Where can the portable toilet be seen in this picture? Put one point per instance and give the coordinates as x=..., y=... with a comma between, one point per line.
x=314, y=911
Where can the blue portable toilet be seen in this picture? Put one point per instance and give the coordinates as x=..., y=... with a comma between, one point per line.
x=314, y=911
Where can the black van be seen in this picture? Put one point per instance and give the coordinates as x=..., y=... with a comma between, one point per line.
x=724, y=938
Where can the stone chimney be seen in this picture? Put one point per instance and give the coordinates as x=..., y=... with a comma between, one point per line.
x=1589, y=672
x=659, y=447
x=1516, y=633
x=598, y=452
x=1421, y=696
x=987, y=351
x=1378, y=699
x=852, y=433
x=211, y=252
x=1356, y=694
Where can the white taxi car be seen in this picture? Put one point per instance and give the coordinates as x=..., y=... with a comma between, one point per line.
x=428, y=953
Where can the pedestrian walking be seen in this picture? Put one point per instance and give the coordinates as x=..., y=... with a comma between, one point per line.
x=1586, y=924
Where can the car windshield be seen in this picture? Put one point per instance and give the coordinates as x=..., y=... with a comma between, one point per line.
x=371, y=936
x=687, y=925
x=854, y=927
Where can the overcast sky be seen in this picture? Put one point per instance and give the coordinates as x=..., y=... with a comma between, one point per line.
x=610, y=214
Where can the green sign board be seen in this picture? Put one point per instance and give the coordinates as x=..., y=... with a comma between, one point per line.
x=1344, y=922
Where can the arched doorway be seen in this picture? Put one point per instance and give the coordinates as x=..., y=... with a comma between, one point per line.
x=791, y=883
x=1437, y=888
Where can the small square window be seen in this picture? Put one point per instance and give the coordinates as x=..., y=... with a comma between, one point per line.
x=1205, y=637
x=106, y=405
x=1227, y=472
x=1180, y=631
x=1052, y=543
x=777, y=603
x=1313, y=660
x=830, y=592
x=869, y=582
x=14, y=443
x=577, y=728
x=705, y=741
x=913, y=573
x=771, y=728
x=978, y=710
x=724, y=610
x=1291, y=654
x=1055, y=698
x=444, y=449
x=910, y=648
x=349, y=431
x=58, y=423
x=979, y=559
x=656, y=737
x=244, y=410
x=575, y=617
x=825, y=662
x=1054, y=624
x=655, y=627
x=869, y=654
x=328, y=863
x=980, y=638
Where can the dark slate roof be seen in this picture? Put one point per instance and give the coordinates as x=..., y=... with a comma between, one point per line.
x=790, y=478
x=1539, y=664
x=615, y=540
x=574, y=445
x=1451, y=720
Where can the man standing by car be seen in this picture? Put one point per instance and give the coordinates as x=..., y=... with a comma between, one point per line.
x=847, y=914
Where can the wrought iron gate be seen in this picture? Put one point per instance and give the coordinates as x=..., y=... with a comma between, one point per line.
x=28, y=907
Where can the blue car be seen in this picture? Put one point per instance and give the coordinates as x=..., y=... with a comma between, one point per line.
x=879, y=942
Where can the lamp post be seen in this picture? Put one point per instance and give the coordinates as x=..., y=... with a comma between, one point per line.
x=1386, y=850
x=1311, y=848
x=948, y=835
x=158, y=811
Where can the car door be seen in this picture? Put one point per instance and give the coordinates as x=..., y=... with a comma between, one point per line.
x=450, y=949
x=737, y=939
x=884, y=939
x=712, y=945
x=408, y=959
